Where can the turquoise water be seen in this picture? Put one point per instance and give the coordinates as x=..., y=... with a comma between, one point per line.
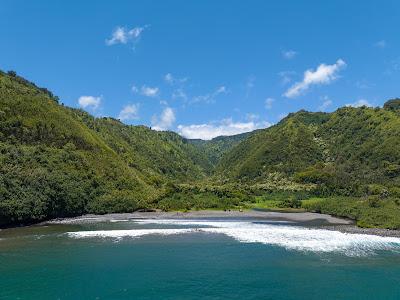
x=195, y=260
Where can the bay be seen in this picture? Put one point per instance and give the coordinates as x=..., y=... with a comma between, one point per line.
x=195, y=259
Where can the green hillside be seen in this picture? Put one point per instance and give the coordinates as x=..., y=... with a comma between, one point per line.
x=53, y=165
x=343, y=152
x=215, y=149
x=57, y=161
x=155, y=154
x=286, y=147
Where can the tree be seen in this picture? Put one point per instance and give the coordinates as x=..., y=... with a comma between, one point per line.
x=12, y=73
x=392, y=105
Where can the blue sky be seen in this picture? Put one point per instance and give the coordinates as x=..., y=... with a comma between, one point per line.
x=205, y=68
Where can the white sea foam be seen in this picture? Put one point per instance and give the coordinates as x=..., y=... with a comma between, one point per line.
x=316, y=240
x=78, y=220
x=133, y=233
x=198, y=222
x=289, y=237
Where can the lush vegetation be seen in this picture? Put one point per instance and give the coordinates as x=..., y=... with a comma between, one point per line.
x=57, y=161
x=368, y=211
x=155, y=154
x=215, y=149
x=344, y=153
x=52, y=165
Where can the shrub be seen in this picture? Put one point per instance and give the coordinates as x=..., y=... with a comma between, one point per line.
x=290, y=203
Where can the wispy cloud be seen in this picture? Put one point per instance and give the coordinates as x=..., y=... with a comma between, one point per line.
x=163, y=102
x=250, y=82
x=165, y=120
x=327, y=103
x=129, y=112
x=360, y=103
x=123, y=35
x=363, y=84
x=210, y=98
x=91, y=102
x=286, y=76
x=179, y=94
x=149, y=91
x=381, y=44
x=146, y=90
x=249, y=85
x=268, y=103
x=289, y=54
x=252, y=117
x=393, y=66
x=169, y=78
x=220, y=90
x=324, y=74
x=172, y=80
x=224, y=127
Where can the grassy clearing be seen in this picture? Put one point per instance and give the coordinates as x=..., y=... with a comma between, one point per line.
x=267, y=203
x=368, y=212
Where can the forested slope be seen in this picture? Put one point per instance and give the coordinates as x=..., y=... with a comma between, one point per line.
x=215, y=149
x=156, y=154
x=344, y=151
x=57, y=161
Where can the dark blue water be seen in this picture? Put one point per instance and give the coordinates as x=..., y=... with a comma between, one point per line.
x=46, y=263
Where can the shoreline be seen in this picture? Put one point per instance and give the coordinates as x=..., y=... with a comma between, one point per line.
x=300, y=217
x=305, y=219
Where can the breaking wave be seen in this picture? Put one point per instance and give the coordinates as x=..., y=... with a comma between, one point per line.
x=290, y=237
x=118, y=234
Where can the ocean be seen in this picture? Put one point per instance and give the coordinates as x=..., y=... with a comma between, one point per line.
x=195, y=259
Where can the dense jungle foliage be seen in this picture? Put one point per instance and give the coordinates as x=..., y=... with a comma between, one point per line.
x=57, y=161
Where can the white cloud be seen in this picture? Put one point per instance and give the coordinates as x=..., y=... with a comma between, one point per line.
x=220, y=90
x=324, y=74
x=170, y=79
x=122, y=35
x=289, y=54
x=381, y=44
x=224, y=127
x=129, y=112
x=89, y=102
x=146, y=90
x=165, y=120
x=210, y=98
x=149, y=91
x=268, y=103
x=360, y=103
x=327, y=102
